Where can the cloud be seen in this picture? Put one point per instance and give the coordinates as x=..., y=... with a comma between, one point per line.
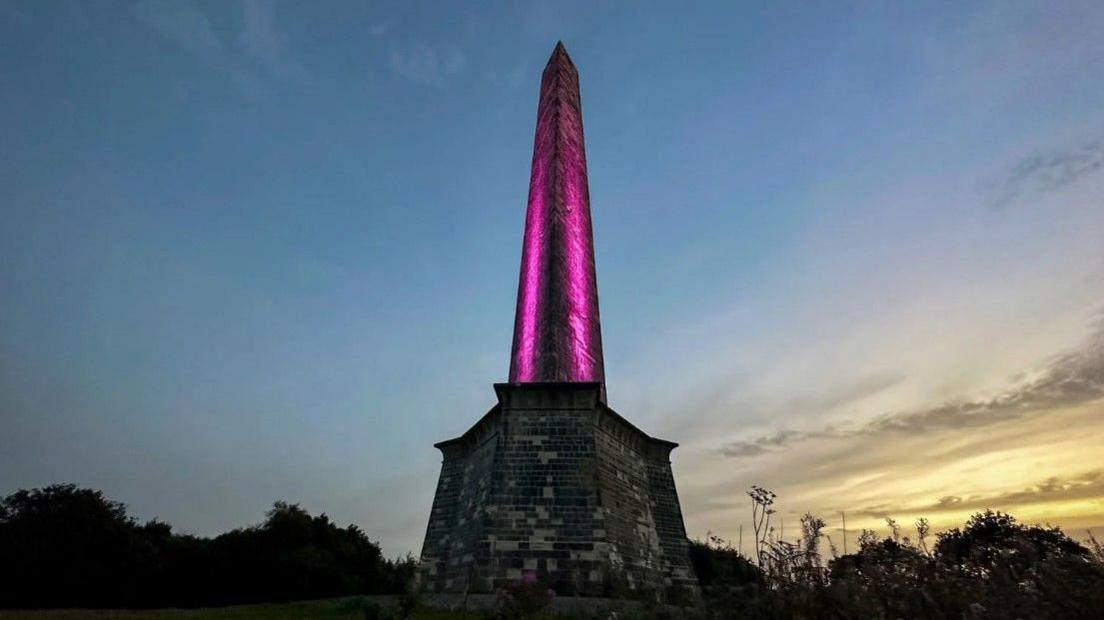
x=181, y=23
x=261, y=53
x=425, y=65
x=1071, y=379
x=846, y=394
x=1085, y=485
x=776, y=441
x=1040, y=174
x=948, y=501
x=262, y=41
x=258, y=30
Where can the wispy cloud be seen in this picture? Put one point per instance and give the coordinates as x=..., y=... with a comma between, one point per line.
x=263, y=42
x=183, y=24
x=1085, y=485
x=260, y=53
x=425, y=65
x=846, y=394
x=1073, y=378
x=778, y=440
x=1043, y=173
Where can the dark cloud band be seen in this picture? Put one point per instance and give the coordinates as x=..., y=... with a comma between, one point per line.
x=1071, y=379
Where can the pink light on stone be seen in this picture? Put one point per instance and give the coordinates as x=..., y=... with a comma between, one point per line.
x=557, y=334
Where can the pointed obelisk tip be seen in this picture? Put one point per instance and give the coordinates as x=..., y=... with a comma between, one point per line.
x=559, y=55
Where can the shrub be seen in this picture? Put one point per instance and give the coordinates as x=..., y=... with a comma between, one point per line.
x=993, y=567
x=64, y=546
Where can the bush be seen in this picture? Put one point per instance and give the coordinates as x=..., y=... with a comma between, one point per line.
x=717, y=563
x=994, y=567
x=65, y=546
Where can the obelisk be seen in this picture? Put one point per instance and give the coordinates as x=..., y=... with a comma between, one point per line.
x=552, y=486
x=557, y=334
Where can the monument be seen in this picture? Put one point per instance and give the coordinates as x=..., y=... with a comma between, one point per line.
x=552, y=484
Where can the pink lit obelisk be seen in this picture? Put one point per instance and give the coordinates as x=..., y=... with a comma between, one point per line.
x=551, y=483
x=557, y=337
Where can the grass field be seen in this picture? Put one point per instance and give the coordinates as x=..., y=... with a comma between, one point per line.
x=328, y=609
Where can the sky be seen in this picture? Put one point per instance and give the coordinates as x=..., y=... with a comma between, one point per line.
x=258, y=251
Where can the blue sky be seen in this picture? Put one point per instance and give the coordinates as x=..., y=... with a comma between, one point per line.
x=268, y=250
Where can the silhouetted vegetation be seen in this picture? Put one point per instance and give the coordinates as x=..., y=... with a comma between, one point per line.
x=994, y=567
x=65, y=546
x=718, y=564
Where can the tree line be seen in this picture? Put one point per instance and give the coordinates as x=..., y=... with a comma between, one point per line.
x=66, y=546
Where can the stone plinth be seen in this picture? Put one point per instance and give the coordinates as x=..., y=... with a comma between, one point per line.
x=553, y=482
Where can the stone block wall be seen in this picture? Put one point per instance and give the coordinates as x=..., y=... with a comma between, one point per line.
x=553, y=482
x=668, y=519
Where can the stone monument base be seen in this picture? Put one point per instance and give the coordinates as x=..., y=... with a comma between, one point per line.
x=554, y=487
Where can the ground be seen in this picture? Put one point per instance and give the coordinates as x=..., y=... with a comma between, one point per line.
x=344, y=608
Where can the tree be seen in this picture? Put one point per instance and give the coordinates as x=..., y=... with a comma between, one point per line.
x=64, y=546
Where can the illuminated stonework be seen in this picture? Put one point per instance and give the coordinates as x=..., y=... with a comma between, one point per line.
x=557, y=335
x=552, y=484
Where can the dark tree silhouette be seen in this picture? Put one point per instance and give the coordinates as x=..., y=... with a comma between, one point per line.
x=64, y=546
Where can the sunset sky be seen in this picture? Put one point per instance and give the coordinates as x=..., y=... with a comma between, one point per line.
x=853, y=253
